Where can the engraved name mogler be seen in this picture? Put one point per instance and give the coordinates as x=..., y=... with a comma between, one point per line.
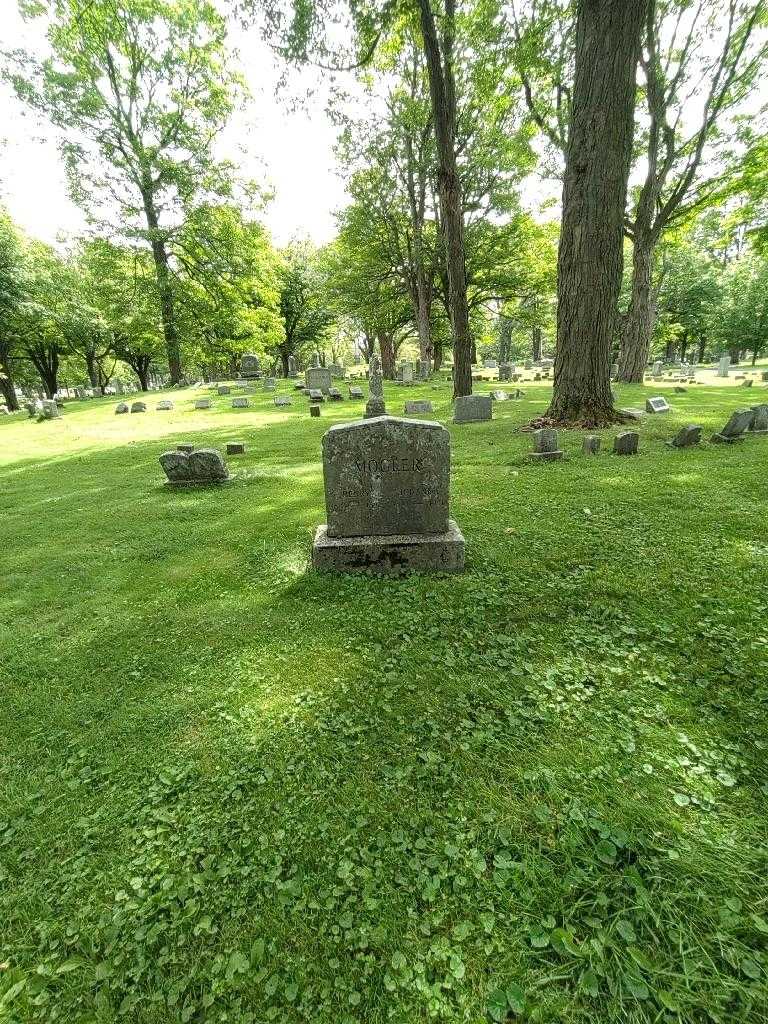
x=366, y=466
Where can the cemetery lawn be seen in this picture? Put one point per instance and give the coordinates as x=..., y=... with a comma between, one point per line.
x=234, y=790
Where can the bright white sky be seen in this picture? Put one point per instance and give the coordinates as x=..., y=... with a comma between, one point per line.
x=291, y=152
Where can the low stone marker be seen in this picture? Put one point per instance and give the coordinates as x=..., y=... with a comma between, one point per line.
x=240, y=403
x=202, y=403
x=764, y=375
x=657, y=404
x=122, y=407
x=280, y=400
x=626, y=443
x=204, y=466
x=591, y=444
x=164, y=406
x=139, y=407
x=747, y=383
x=299, y=386
x=318, y=378
x=315, y=395
x=473, y=409
x=185, y=447
x=759, y=424
x=505, y=372
x=223, y=389
x=686, y=437
x=734, y=429
x=314, y=410
x=500, y=396
x=490, y=364
x=49, y=409
x=386, y=496
x=335, y=395
x=681, y=391
x=235, y=448
x=545, y=445
x=270, y=383
x=356, y=392
x=417, y=405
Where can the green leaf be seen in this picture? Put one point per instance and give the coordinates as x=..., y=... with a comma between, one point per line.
x=750, y=967
x=562, y=939
x=515, y=998
x=681, y=799
x=606, y=851
x=588, y=983
x=625, y=930
x=497, y=1005
x=636, y=986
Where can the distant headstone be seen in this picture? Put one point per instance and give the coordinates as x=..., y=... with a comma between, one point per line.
x=204, y=466
x=202, y=403
x=281, y=400
x=490, y=364
x=335, y=395
x=505, y=372
x=386, y=495
x=537, y=376
x=723, y=366
x=747, y=383
x=49, y=409
x=185, y=447
x=681, y=391
x=686, y=437
x=224, y=389
x=657, y=404
x=545, y=445
x=591, y=444
x=759, y=424
x=472, y=409
x=293, y=368
x=315, y=359
x=626, y=443
x=734, y=429
x=139, y=407
x=249, y=365
x=270, y=383
x=764, y=375
x=318, y=378
x=417, y=406
x=241, y=402
x=528, y=364
x=122, y=407
x=164, y=406
x=405, y=373
x=500, y=396
x=235, y=448
x=356, y=391
x=374, y=407
x=314, y=410
x=315, y=395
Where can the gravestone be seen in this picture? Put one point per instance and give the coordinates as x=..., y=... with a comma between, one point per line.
x=356, y=392
x=315, y=395
x=747, y=383
x=499, y=396
x=281, y=400
x=473, y=409
x=335, y=395
x=545, y=445
x=626, y=443
x=374, y=407
x=386, y=494
x=185, y=447
x=300, y=386
x=505, y=372
x=528, y=364
x=315, y=359
x=759, y=424
x=204, y=466
x=235, y=448
x=314, y=410
x=164, y=406
x=49, y=409
x=591, y=444
x=224, y=389
x=241, y=402
x=405, y=373
x=657, y=368
x=293, y=367
x=657, y=404
x=734, y=429
x=416, y=406
x=681, y=391
x=202, y=403
x=686, y=437
x=490, y=364
x=764, y=375
x=537, y=376
x=249, y=365
x=122, y=407
x=318, y=378
x=139, y=407
x=723, y=366
x=270, y=383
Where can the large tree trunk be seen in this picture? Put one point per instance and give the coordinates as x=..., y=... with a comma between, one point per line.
x=6, y=382
x=536, y=343
x=164, y=287
x=702, y=349
x=92, y=368
x=46, y=362
x=284, y=363
x=442, y=94
x=422, y=303
x=387, y=349
x=438, y=353
x=594, y=193
x=638, y=326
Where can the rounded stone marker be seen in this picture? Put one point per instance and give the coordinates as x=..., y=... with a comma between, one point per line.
x=314, y=410
x=207, y=466
x=185, y=447
x=139, y=407
x=235, y=448
x=122, y=407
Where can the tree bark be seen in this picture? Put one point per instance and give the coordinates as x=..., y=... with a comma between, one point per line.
x=6, y=382
x=702, y=349
x=443, y=99
x=536, y=343
x=387, y=349
x=590, y=255
x=164, y=287
x=46, y=361
x=641, y=315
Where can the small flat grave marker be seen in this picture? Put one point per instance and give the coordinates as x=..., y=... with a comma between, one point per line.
x=473, y=409
x=686, y=437
x=591, y=444
x=734, y=429
x=235, y=448
x=417, y=406
x=545, y=445
x=202, y=403
x=626, y=443
x=240, y=403
x=281, y=400
x=657, y=404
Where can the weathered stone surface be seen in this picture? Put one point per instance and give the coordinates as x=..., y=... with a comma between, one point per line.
x=681, y=391
x=437, y=552
x=416, y=406
x=249, y=365
x=500, y=396
x=281, y=400
x=657, y=404
x=356, y=392
x=164, y=406
x=176, y=467
x=240, y=402
x=626, y=443
x=185, y=447
x=734, y=429
x=318, y=378
x=686, y=437
x=235, y=448
x=315, y=395
x=747, y=383
x=122, y=407
x=490, y=364
x=386, y=476
x=723, y=366
x=314, y=410
x=202, y=403
x=591, y=444
x=139, y=407
x=204, y=466
x=473, y=409
x=759, y=424
x=375, y=405
x=223, y=389
x=334, y=394
x=545, y=445
x=49, y=409
x=505, y=372
x=270, y=384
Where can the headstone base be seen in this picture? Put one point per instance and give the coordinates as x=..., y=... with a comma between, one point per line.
x=438, y=552
x=546, y=456
x=722, y=439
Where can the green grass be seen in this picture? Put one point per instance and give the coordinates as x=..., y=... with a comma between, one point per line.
x=234, y=790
